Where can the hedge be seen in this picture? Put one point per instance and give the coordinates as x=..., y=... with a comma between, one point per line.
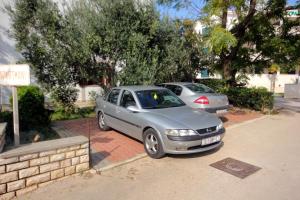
x=254, y=98
x=217, y=85
x=32, y=112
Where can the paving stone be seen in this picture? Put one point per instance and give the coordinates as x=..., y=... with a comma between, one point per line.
x=17, y=166
x=8, y=177
x=26, y=190
x=57, y=174
x=49, y=167
x=29, y=156
x=2, y=169
x=82, y=167
x=2, y=188
x=81, y=152
x=16, y=185
x=65, y=163
x=57, y=157
x=69, y=170
x=24, y=173
x=70, y=154
x=7, y=196
x=8, y=160
x=39, y=161
x=38, y=179
x=84, y=158
x=75, y=161
x=47, y=153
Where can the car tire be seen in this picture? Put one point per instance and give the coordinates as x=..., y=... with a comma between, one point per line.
x=101, y=123
x=152, y=144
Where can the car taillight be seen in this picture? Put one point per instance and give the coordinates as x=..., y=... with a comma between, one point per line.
x=202, y=100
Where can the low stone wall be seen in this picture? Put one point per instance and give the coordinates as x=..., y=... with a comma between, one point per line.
x=28, y=167
x=2, y=135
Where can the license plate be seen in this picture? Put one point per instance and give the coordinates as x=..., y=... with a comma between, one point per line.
x=211, y=140
x=221, y=111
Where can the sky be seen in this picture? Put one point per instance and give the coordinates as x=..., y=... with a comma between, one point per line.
x=191, y=11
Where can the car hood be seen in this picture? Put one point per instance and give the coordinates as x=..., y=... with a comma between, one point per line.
x=187, y=117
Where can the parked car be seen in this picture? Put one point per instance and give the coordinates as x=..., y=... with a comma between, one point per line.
x=158, y=118
x=199, y=96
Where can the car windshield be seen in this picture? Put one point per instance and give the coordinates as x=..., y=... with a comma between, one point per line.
x=155, y=99
x=199, y=88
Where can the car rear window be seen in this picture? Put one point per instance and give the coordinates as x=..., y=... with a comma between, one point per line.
x=199, y=88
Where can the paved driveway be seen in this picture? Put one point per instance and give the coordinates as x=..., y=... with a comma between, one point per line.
x=271, y=143
x=113, y=147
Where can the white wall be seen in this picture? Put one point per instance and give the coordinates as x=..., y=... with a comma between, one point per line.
x=264, y=80
x=84, y=92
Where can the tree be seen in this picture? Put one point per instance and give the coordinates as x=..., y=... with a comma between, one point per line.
x=58, y=51
x=120, y=41
x=261, y=35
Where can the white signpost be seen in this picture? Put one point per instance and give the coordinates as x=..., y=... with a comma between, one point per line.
x=15, y=75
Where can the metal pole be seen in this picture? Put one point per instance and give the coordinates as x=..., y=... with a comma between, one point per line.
x=16, y=116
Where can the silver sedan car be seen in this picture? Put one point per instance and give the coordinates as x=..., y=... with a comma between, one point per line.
x=199, y=96
x=158, y=118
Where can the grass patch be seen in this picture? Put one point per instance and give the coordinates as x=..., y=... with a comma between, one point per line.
x=61, y=114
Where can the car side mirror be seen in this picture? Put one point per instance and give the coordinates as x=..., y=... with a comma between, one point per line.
x=133, y=109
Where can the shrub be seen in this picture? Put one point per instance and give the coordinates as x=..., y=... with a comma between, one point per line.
x=32, y=113
x=65, y=97
x=253, y=98
x=216, y=84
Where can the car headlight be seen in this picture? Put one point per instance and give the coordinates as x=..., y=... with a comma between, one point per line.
x=181, y=132
x=220, y=126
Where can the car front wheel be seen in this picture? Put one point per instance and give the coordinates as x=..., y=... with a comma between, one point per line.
x=101, y=123
x=152, y=144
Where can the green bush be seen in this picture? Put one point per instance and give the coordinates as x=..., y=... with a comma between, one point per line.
x=253, y=98
x=32, y=113
x=217, y=85
x=61, y=114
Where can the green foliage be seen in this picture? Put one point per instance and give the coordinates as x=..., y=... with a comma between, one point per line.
x=123, y=41
x=61, y=114
x=254, y=98
x=217, y=85
x=261, y=35
x=32, y=113
x=220, y=39
x=64, y=97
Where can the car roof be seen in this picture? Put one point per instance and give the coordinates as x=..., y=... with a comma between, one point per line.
x=178, y=83
x=138, y=87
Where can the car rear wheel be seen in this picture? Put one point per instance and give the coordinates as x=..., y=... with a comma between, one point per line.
x=152, y=144
x=101, y=122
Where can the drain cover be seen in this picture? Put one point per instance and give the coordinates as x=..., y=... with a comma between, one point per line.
x=235, y=167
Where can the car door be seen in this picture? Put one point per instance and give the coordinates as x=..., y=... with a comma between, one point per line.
x=110, y=109
x=129, y=121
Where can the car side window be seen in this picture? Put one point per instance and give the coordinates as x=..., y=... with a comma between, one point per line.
x=175, y=89
x=127, y=99
x=113, y=96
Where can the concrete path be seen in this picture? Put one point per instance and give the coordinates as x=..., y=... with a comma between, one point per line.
x=287, y=104
x=272, y=143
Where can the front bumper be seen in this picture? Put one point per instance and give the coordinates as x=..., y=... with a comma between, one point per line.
x=186, y=145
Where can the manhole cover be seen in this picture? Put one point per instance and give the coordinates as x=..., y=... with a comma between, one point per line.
x=235, y=167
